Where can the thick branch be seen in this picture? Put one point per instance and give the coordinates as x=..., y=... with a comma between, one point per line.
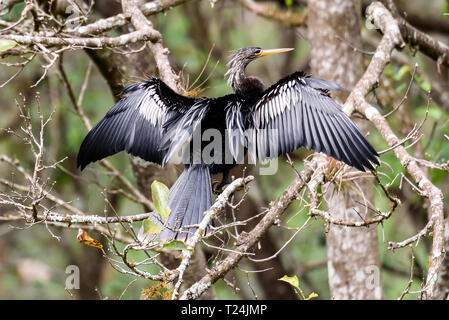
x=81, y=219
x=97, y=42
x=141, y=23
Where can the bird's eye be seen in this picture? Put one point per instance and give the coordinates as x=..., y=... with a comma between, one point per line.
x=258, y=51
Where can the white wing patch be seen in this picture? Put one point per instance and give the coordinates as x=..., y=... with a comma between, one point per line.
x=274, y=103
x=151, y=107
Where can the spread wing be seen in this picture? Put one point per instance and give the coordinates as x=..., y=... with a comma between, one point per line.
x=298, y=111
x=136, y=123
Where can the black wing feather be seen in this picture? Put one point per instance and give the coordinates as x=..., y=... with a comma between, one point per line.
x=135, y=123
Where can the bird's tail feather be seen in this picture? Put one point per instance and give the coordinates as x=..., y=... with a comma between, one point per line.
x=189, y=197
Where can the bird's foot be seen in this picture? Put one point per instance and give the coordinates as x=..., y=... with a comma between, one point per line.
x=217, y=185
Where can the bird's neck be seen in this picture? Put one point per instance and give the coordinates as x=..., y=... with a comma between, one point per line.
x=243, y=84
x=249, y=87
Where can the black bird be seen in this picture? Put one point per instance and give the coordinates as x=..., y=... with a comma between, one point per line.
x=153, y=122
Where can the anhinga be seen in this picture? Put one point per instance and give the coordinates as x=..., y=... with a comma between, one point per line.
x=153, y=122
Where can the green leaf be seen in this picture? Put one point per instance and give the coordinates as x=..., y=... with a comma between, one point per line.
x=176, y=245
x=312, y=295
x=295, y=283
x=159, y=192
x=7, y=44
x=149, y=227
x=291, y=280
x=288, y=3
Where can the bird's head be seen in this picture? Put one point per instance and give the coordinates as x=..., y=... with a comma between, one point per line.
x=245, y=55
x=242, y=57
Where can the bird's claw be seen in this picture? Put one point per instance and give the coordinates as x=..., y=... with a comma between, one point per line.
x=218, y=186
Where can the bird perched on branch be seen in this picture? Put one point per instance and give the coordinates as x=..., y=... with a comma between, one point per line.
x=153, y=122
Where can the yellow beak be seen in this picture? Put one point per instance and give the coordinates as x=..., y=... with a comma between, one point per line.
x=271, y=51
